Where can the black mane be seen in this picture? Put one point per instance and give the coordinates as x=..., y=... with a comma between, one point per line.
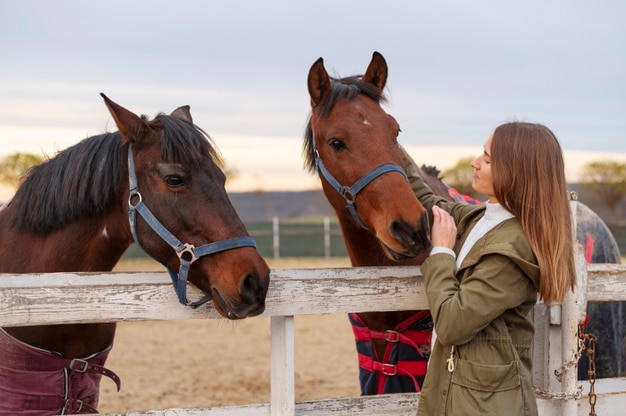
x=347, y=88
x=89, y=177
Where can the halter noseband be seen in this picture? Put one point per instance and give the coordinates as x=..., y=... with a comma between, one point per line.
x=349, y=192
x=187, y=253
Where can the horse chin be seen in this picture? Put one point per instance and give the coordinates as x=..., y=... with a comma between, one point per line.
x=227, y=310
x=395, y=255
x=399, y=256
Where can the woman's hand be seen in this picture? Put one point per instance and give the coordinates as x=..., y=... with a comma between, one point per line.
x=443, y=233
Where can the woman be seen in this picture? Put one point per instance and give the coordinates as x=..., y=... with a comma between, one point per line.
x=483, y=274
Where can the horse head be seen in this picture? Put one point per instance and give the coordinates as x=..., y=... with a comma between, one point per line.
x=180, y=213
x=353, y=144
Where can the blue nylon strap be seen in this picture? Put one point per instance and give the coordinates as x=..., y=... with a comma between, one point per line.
x=370, y=176
x=329, y=177
x=224, y=245
x=179, y=280
x=350, y=192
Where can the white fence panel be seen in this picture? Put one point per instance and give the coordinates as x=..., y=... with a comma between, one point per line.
x=38, y=299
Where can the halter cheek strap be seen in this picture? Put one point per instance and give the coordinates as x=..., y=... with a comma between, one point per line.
x=349, y=192
x=187, y=253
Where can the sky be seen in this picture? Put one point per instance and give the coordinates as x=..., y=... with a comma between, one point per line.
x=457, y=69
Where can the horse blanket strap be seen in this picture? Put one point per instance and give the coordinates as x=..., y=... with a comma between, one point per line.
x=187, y=253
x=38, y=382
x=404, y=365
x=349, y=192
x=459, y=197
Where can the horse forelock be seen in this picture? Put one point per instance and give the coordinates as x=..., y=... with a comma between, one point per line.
x=186, y=143
x=341, y=88
x=82, y=179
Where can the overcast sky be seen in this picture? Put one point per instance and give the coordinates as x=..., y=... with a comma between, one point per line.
x=457, y=70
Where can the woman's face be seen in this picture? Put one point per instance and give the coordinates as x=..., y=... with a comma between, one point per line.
x=481, y=180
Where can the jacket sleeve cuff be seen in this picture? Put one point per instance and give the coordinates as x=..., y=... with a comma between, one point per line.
x=439, y=249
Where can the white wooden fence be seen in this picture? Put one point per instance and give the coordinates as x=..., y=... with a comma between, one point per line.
x=54, y=298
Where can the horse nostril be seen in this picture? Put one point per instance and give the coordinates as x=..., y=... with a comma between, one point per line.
x=403, y=232
x=411, y=237
x=251, y=290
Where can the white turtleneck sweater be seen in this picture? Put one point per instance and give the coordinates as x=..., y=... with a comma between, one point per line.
x=494, y=215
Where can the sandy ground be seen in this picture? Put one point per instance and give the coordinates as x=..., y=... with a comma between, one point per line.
x=201, y=363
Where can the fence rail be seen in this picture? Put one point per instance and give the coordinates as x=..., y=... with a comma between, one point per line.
x=41, y=299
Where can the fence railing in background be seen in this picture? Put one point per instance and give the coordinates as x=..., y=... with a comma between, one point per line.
x=298, y=238
x=318, y=237
x=288, y=238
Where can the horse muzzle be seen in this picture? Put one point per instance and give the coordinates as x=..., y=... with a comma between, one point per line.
x=251, y=302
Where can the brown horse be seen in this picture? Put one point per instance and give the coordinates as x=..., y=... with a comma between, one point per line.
x=352, y=143
x=157, y=182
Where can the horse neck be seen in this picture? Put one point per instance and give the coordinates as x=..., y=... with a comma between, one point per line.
x=88, y=244
x=80, y=246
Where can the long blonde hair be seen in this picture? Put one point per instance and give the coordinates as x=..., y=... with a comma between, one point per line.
x=529, y=180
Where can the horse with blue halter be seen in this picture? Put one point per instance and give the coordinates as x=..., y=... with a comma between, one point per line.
x=156, y=182
x=351, y=143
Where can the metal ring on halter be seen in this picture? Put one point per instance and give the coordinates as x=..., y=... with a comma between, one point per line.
x=347, y=194
x=130, y=199
x=188, y=248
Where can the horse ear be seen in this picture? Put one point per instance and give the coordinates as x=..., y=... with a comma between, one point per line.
x=183, y=113
x=376, y=73
x=319, y=82
x=129, y=124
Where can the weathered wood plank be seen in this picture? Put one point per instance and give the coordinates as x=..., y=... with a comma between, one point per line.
x=607, y=282
x=609, y=403
x=107, y=297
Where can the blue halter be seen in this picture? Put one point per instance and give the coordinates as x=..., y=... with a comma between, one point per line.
x=187, y=253
x=349, y=192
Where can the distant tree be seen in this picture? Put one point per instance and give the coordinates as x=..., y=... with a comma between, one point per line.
x=14, y=166
x=459, y=177
x=607, y=182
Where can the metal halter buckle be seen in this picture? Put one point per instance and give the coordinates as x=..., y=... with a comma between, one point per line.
x=84, y=365
x=389, y=369
x=392, y=336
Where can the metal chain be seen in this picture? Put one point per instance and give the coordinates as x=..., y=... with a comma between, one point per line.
x=591, y=354
x=586, y=342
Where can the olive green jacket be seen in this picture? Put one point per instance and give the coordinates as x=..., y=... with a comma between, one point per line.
x=482, y=310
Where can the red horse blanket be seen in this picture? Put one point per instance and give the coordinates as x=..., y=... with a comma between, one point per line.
x=403, y=367
x=37, y=382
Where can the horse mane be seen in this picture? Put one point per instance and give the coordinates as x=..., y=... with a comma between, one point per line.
x=348, y=88
x=431, y=170
x=90, y=176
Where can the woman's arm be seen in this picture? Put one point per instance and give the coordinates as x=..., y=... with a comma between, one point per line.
x=425, y=194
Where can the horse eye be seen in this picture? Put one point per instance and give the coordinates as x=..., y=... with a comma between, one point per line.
x=338, y=144
x=173, y=180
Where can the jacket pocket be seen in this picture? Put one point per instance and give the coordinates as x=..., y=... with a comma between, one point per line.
x=480, y=389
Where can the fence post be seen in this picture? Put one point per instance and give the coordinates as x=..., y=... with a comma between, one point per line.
x=282, y=363
x=276, y=237
x=327, y=252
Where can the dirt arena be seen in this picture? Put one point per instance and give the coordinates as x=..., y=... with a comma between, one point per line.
x=203, y=363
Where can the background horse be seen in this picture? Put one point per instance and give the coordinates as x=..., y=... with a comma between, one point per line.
x=157, y=182
x=605, y=320
x=351, y=134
